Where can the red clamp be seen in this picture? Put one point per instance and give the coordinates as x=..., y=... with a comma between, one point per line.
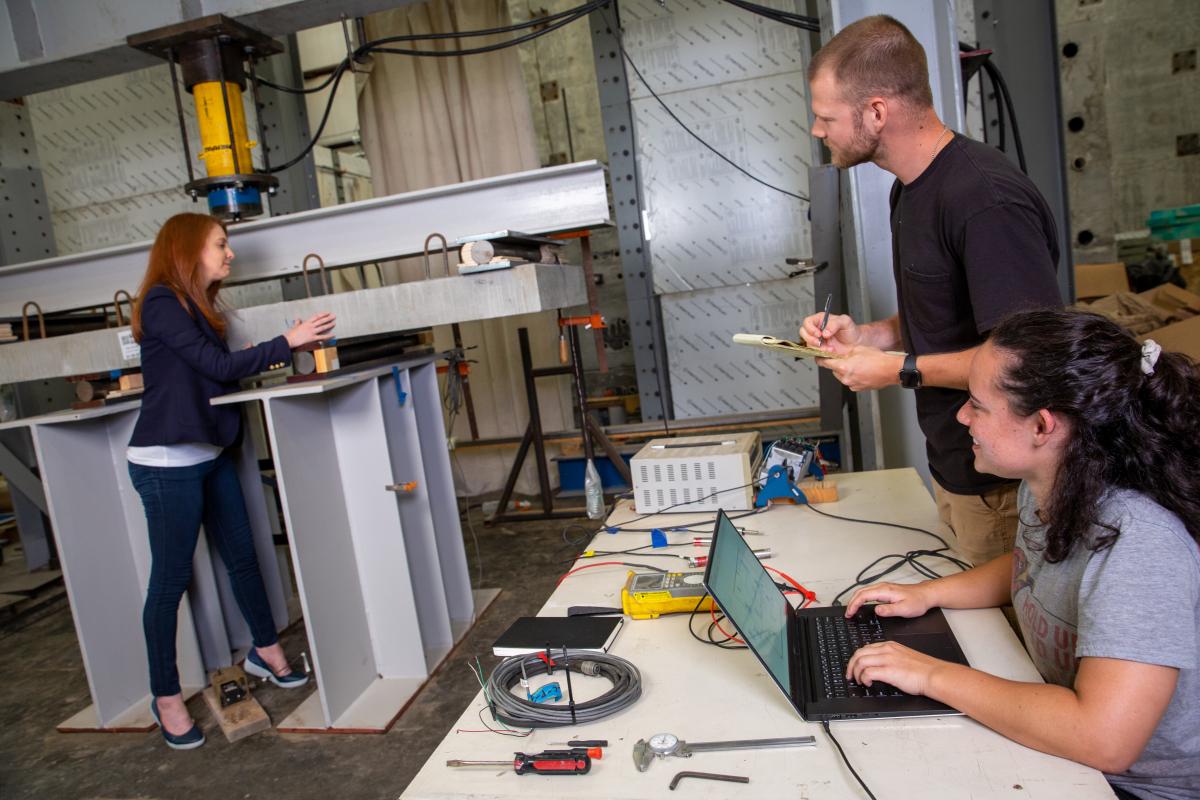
x=592, y=321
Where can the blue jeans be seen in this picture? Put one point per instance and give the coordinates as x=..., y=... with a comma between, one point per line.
x=177, y=500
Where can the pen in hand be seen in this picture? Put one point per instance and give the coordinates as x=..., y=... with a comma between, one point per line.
x=825, y=319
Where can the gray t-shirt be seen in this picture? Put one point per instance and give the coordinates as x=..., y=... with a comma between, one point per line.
x=1138, y=600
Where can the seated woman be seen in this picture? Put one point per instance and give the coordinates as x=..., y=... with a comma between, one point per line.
x=1104, y=432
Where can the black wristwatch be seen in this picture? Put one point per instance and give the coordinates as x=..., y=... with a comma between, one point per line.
x=910, y=376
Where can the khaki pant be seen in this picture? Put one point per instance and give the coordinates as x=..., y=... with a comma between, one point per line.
x=985, y=525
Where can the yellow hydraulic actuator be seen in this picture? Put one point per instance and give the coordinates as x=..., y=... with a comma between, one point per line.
x=212, y=52
x=220, y=156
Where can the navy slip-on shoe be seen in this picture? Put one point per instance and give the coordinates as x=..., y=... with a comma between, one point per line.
x=187, y=741
x=258, y=668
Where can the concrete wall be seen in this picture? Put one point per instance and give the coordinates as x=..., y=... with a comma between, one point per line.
x=1131, y=114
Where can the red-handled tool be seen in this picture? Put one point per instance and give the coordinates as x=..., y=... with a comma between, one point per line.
x=547, y=762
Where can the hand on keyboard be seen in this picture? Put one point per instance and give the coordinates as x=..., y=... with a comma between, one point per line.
x=892, y=664
x=895, y=599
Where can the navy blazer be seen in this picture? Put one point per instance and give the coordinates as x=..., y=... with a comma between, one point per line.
x=185, y=363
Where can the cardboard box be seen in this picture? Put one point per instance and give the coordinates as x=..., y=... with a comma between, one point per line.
x=1098, y=280
x=1180, y=337
x=1176, y=303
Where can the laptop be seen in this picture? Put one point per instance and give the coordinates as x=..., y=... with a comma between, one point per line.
x=806, y=650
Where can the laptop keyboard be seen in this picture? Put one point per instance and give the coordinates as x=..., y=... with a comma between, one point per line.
x=837, y=639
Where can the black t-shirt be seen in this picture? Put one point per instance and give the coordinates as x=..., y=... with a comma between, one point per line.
x=972, y=242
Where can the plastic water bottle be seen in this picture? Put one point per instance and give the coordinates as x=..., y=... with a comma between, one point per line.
x=593, y=491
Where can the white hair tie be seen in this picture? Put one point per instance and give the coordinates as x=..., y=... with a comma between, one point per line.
x=1150, y=352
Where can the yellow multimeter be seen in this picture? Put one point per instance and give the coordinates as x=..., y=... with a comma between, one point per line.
x=647, y=595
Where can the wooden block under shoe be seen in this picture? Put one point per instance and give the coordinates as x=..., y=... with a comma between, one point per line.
x=819, y=491
x=237, y=721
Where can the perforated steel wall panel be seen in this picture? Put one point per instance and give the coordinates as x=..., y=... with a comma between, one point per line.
x=710, y=375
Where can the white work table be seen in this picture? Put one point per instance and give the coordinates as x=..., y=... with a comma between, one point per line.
x=701, y=693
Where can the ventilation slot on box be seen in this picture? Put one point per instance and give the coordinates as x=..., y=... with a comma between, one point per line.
x=645, y=474
x=674, y=498
x=670, y=473
x=687, y=495
x=712, y=471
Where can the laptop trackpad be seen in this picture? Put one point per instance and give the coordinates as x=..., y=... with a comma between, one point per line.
x=938, y=645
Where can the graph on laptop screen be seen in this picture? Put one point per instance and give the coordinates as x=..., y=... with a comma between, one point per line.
x=751, y=600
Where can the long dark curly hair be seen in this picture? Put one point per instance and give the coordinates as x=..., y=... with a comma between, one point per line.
x=1127, y=429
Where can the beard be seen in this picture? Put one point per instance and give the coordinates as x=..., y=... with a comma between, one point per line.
x=861, y=149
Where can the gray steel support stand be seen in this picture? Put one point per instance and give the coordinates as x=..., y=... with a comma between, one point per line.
x=26, y=234
x=1024, y=38
x=645, y=313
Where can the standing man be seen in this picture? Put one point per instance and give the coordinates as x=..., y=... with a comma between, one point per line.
x=972, y=242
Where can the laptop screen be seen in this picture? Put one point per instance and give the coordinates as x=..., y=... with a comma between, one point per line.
x=751, y=600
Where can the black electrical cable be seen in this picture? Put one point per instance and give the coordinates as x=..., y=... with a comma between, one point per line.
x=845, y=760
x=911, y=559
x=621, y=46
x=725, y=644
x=785, y=17
x=684, y=528
x=945, y=545
x=337, y=77
x=491, y=47
x=370, y=47
x=417, y=37
x=994, y=72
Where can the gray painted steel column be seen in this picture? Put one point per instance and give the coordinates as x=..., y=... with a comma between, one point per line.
x=645, y=314
x=1024, y=38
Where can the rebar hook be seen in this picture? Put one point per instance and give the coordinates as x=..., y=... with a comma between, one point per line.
x=445, y=254
x=25, y=320
x=320, y=268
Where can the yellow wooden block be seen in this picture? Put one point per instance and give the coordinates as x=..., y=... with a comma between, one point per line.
x=326, y=358
x=819, y=491
x=131, y=381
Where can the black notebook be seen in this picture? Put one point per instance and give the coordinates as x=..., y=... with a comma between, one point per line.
x=533, y=634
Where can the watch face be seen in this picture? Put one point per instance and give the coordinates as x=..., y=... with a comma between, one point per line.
x=664, y=743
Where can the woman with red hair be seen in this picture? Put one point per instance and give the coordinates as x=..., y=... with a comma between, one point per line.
x=180, y=453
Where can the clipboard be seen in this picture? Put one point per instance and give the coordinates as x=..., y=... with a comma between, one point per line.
x=791, y=348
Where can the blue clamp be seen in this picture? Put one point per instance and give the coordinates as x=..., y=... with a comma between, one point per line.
x=550, y=693
x=401, y=395
x=779, y=487
x=658, y=538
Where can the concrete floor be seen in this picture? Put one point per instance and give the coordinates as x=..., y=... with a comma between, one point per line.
x=42, y=683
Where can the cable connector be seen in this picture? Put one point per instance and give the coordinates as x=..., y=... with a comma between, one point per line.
x=589, y=668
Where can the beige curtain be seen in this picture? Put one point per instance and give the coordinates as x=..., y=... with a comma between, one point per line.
x=434, y=121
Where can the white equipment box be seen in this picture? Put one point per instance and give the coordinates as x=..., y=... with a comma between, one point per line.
x=696, y=473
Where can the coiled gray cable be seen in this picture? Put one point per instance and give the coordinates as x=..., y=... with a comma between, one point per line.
x=518, y=711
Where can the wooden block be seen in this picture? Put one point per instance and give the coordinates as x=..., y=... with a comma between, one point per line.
x=326, y=358
x=244, y=718
x=131, y=381
x=819, y=491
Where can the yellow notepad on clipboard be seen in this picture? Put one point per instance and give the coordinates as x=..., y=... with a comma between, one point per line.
x=783, y=345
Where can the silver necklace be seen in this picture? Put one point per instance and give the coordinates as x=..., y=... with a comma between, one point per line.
x=933, y=155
